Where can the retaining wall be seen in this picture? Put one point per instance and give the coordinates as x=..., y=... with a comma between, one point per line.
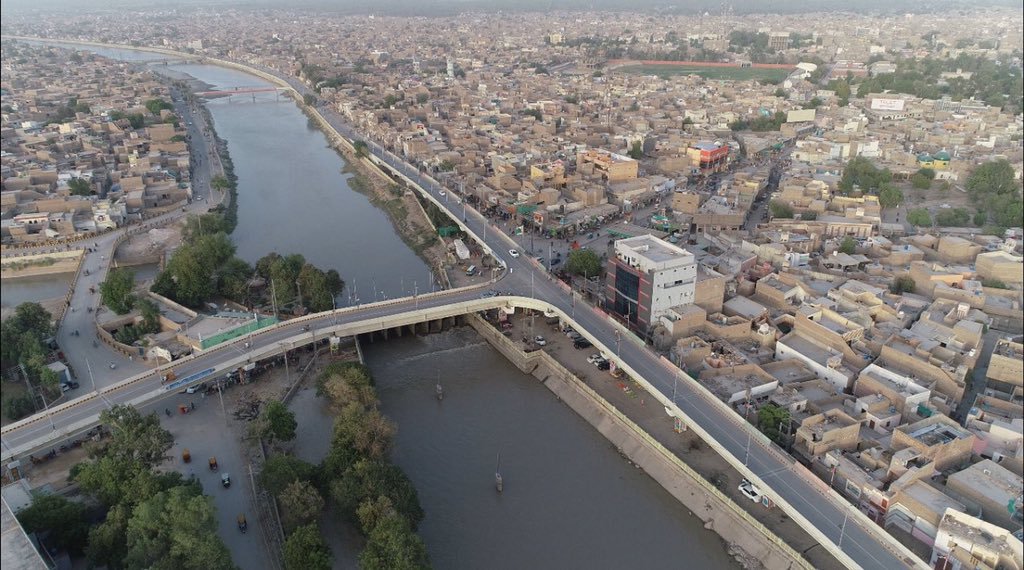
x=748, y=540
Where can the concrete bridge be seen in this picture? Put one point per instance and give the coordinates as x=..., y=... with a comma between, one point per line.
x=240, y=91
x=855, y=540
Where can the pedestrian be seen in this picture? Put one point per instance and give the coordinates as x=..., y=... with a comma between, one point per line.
x=192, y=405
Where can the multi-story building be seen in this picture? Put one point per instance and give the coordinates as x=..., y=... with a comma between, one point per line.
x=611, y=166
x=646, y=277
x=707, y=157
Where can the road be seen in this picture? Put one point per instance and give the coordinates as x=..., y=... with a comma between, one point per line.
x=858, y=538
x=82, y=350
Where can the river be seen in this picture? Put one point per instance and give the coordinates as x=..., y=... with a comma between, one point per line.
x=292, y=195
x=570, y=500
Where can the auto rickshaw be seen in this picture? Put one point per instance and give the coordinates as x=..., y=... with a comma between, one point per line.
x=186, y=456
x=242, y=524
x=225, y=480
x=213, y=464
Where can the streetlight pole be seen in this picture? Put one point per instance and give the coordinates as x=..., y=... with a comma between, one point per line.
x=842, y=531
x=746, y=456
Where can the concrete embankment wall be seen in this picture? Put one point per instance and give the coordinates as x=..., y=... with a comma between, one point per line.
x=63, y=262
x=753, y=544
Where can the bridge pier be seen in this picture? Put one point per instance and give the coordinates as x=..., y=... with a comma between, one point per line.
x=434, y=326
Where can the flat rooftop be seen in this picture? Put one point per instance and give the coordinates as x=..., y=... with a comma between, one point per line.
x=653, y=249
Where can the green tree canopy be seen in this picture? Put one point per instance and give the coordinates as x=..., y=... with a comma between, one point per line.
x=769, y=419
x=300, y=504
x=116, y=290
x=280, y=471
x=304, y=549
x=80, y=187
x=64, y=519
x=135, y=437
x=368, y=479
x=361, y=148
x=902, y=284
x=848, y=246
x=955, y=217
x=279, y=421
x=583, y=262
x=780, y=209
x=889, y=195
x=992, y=188
x=860, y=172
x=392, y=545
x=920, y=181
x=636, y=150
x=22, y=334
x=919, y=217
x=156, y=105
x=176, y=529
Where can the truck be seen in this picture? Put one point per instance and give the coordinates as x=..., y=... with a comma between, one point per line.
x=171, y=376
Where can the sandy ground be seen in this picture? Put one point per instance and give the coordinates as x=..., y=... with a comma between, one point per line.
x=51, y=305
x=148, y=244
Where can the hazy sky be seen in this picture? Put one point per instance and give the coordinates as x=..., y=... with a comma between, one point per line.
x=445, y=7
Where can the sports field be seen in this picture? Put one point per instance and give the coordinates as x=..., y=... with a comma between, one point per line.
x=728, y=73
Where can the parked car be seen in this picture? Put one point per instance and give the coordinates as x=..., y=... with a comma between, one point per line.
x=541, y=341
x=751, y=491
x=604, y=365
x=65, y=386
x=581, y=343
x=593, y=358
x=196, y=388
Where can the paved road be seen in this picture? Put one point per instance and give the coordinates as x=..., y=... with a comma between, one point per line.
x=802, y=491
x=83, y=351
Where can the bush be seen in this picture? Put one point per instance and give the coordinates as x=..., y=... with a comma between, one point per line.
x=957, y=217
x=902, y=284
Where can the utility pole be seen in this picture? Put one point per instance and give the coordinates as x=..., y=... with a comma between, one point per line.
x=273, y=297
x=746, y=456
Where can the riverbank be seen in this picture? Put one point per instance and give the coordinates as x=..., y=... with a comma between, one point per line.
x=37, y=265
x=754, y=543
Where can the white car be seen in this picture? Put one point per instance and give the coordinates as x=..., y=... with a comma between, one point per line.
x=513, y=253
x=751, y=491
x=594, y=359
x=441, y=193
x=541, y=341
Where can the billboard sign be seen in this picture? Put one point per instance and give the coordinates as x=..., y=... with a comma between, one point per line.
x=880, y=104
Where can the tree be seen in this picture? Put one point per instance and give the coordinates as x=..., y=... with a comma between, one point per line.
x=300, y=504
x=79, y=187
x=583, y=262
x=364, y=430
x=991, y=179
x=280, y=471
x=770, y=419
x=780, y=209
x=135, y=437
x=361, y=148
x=175, y=529
x=889, y=196
x=308, y=99
x=860, y=172
x=116, y=290
x=156, y=105
x=636, y=151
x=902, y=284
x=919, y=217
x=392, y=545
x=219, y=183
x=345, y=383
x=304, y=549
x=280, y=421
x=848, y=246
x=17, y=407
x=319, y=289
x=920, y=181
x=64, y=519
x=370, y=478
x=22, y=334
x=956, y=217
x=980, y=218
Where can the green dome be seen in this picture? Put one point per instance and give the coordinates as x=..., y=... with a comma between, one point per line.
x=942, y=155
x=924, y=157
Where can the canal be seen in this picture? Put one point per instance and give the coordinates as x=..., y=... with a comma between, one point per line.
x=570, y=500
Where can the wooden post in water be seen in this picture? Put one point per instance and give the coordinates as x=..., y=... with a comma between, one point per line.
x=498, y=484
x=437, y=387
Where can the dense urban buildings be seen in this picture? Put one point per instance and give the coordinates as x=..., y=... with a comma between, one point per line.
x=817, y=217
